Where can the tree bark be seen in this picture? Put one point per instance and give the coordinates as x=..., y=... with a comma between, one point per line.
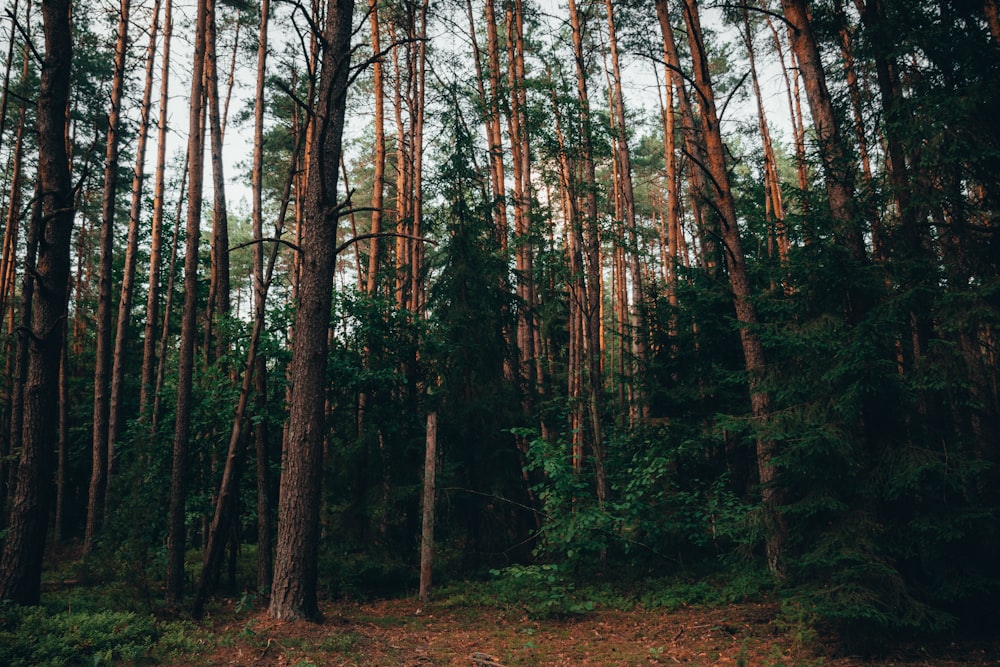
x=219, y=290
x=100, y=453
x=427, y=530
x=132, y=244
x=185, y=363
x=378, y=178
x=746, y=313
x=638, y=408
x=293, y=593
x=837, y=163
x=148, y=378
x=21, y=562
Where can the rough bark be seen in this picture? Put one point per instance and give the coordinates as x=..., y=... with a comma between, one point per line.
x=185, y=362
x=21, y=562
x=100, y=454
x=156, y=226
x=293, y=593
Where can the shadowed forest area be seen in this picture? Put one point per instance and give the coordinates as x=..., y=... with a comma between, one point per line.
x=449, y=324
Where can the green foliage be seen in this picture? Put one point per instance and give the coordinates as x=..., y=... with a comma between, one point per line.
x=31, y=637
x=543, y=591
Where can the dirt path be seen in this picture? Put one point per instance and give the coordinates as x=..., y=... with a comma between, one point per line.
x=399, y=633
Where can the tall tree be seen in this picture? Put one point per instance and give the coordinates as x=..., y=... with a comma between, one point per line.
x=185, y=361
x=739, y=280
x=293, y=592
x=638, y=409
x=100, y=454
x=219, y=289
x=21, y=562
x=149, y=338
x=837, y=162
x=131, y=248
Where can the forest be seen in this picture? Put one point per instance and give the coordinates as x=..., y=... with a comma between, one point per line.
x=313, y=300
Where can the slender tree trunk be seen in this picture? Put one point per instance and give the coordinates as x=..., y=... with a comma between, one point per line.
x=693, y=146
x=62, y=456
x=378, y=178
x=837, y=164
x=156, y=241
x=746, y=314
x=638, y=408
x=185, y=363
x=521, y=195
x=8, y=64
x=493, y=131
x=774, y=208
x=132, y=244
x=8, y=268
x=265, y=529
x=427, y=530
x=102, y=368
x=24, y=543
x=857, y=109
x=161, y=365
x=219, y=299
x=293, y=593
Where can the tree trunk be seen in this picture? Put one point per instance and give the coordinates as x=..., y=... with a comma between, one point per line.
x=219, y=299
x=378, y=179
x=8, y=268
x=992, y=13
x=156, y=241
x=746, y=314
x=21, y=562
x=185, y=362
x=774, y=208
x=128, y=277
x=264, y=524
x=293, y=593
x=638, y=408
x=100, y=454
x=837, y=164
x=521, y=195
x=427, y=530
x=693, y=146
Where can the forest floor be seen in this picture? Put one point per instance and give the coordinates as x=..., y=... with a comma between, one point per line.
x=402, y=633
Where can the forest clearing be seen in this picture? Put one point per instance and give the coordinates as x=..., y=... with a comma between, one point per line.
x=611, y=331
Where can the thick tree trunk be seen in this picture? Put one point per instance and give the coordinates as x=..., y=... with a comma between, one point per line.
x=185, y=362
x=100, y=454
x=992, y=13
x=293, y=593
x=21, y=562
